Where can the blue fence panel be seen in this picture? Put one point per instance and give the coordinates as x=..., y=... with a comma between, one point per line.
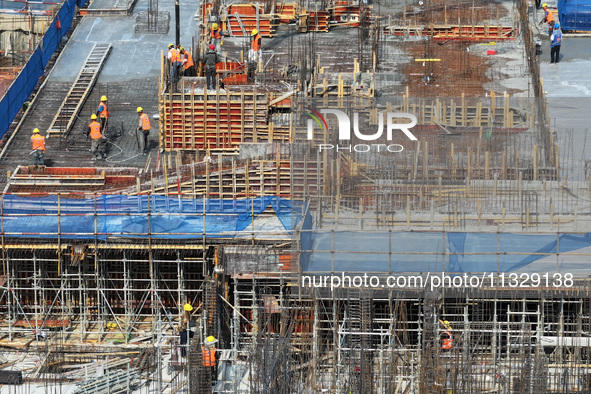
x=22, y=87
x=575, y=14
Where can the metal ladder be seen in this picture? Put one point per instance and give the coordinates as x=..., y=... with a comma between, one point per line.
x=64, y=119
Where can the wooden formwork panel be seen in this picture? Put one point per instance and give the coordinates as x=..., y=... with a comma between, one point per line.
x=286, y=12
x=318, y=21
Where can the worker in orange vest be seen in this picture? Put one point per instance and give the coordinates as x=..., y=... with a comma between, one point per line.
x=103, y=113
x=548, y=18
x=174, y=56
x=94, y=132
x=255, y=46
x=208, y=355
x=188, y=63
x=216, y=37
x=38, y=148
x=144, y=125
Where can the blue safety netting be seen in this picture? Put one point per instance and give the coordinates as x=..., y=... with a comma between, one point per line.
x=453, y=252
x=140, y=216
x=22, y=87
x=575, y=14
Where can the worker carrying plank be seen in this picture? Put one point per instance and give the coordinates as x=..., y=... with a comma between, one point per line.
x=144, y=127
x=38, y=148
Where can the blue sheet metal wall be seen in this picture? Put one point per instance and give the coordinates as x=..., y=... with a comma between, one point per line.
x=575, y=14
x=23, y=85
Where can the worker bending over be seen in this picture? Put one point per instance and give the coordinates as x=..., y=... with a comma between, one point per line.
x=548, y=18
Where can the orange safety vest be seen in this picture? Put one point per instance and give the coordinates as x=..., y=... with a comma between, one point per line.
x=447, y=340
x=208, y=356
x=215, y=33
x=550, y=18
x=104, y=113
x=38, y=142
x=145, y=122
x=175, y=55
x=95, y=130
x=256, y=42
x=189, y=62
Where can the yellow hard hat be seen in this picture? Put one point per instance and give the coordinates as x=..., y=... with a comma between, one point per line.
x=214, y=26
x=210, y=338
x=93, y=116
x=544, y=5
x=140, y=109
x=170, y=45
x=254, y=31
x=188, y=307
x=182, y=49
x=35, y=131
x=445, y=322
x=104, y=98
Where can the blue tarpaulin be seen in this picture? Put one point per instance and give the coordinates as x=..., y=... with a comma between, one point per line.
x=22, y=87
x=575, y=14
x=453, y=252
x=139, y=216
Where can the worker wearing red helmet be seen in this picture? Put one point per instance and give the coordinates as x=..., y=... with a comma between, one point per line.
x=211, y=59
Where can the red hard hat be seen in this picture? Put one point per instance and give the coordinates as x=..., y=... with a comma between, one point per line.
x=211, y=46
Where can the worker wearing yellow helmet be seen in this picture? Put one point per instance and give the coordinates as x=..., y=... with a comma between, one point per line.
x=144, y=127
x=38, y=147
x=255, y=46
x=548, y=18
x=208, y=355
x=103, y=113
x=94, y=132
x=216, y=37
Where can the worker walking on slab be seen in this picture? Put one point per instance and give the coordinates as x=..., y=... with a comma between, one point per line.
x=94, y=132
x=174, y=57
x=188, y=63
x=208, y=351
x=211, y=59
x=548, y=18
x=216, y=37
x=38, y=148
x=103, y=113
x=555, y=41
x=144, y=126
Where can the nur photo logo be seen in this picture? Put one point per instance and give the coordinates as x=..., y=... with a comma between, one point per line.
x=392, y=130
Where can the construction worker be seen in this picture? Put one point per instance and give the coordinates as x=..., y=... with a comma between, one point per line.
x=216, y=37
x=38, y=148
x=94, y=132
x=211, y=59
x=208, y=355
x=144, y=125
x=255, y=46
x=446, y=340
x=548, y=18
x=555, y=41
x=188, y=63
x=174, y=57
x=102, y=113
x=184, y=332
